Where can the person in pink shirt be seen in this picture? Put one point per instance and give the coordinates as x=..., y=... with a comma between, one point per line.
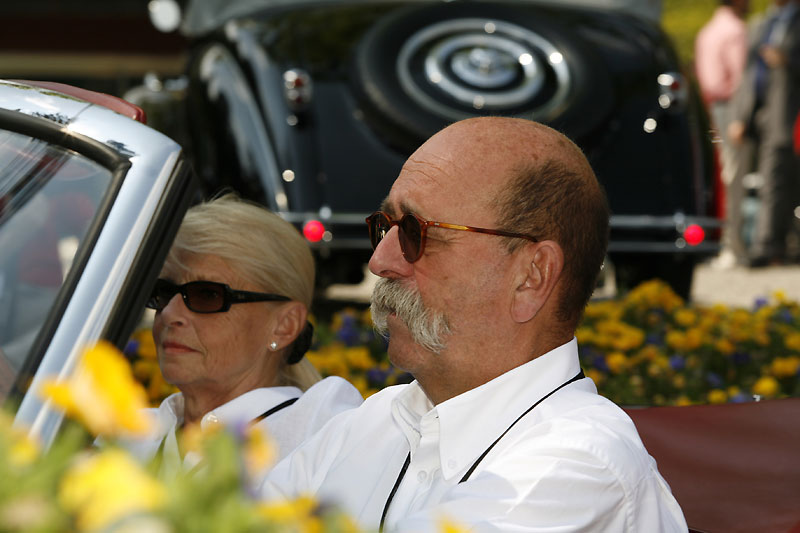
x=720, y=57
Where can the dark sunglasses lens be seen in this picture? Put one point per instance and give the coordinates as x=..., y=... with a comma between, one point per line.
x=161, y=295
x=410, y=237
x=379, y=226
x=205, y=296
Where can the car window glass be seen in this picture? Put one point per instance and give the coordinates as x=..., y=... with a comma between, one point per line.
x=48, y=198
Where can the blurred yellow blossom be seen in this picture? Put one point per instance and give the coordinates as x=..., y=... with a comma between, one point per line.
x=596, y=376
x=784, y=367
x=792, y=341
x=103, y=488
x=102, y=393
x=358, y=357
x=447, y=525
x=147, y=345
x=259, y=451
x=725, y=346
x=766, y=386
x=20, y=449
x=616, y=362
x=716, y=396
x=685, y=317
x=299, y=512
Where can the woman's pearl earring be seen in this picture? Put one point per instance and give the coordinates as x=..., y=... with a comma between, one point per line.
x=273, y=346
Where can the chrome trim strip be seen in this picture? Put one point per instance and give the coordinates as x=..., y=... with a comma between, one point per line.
x=89, y=310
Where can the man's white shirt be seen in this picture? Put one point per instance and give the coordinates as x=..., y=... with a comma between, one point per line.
x=573, y=463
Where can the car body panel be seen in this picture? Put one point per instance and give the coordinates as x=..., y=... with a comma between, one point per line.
x=103, y=293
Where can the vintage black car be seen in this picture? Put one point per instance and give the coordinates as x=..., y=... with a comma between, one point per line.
x=311, y=107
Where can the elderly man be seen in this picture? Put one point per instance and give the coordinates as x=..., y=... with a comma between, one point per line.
x=488, y=246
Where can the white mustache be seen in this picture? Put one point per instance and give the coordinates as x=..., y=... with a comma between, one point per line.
x=428, y=328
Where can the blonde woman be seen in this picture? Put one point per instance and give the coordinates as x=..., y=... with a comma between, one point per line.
x=231, y=329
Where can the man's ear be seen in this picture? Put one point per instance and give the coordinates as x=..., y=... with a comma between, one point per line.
x=291, y=321
x=540, y=266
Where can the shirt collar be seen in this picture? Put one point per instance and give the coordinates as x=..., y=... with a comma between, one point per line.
x=470, y=422
x=248, y=406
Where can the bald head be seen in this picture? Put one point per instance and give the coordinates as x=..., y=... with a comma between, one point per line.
x=488, y=149
x=526, y=178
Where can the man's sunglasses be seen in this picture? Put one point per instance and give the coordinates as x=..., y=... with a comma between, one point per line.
x=412, y=231
x=205, y=296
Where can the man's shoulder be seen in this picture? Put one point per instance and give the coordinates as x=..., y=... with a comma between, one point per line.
x=588, y=425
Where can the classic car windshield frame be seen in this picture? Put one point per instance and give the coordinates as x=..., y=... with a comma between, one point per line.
x=108, y=166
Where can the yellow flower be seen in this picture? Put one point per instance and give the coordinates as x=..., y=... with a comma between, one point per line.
x=792, y=341
x=618, y=335
x=584, y=335
x=683, y=401
x=358, y=357
x=105, y=487
x=259, y=451
x=446, y=525
x=654, y=293
x=685, y=317
x=20, y=448
x=717, y=396
x=676, y=340
x=694, y=338
x=679, y=381
x=766, y=386
x=360, y=383
x=102, y=394
x=616, y=362
x=596, y=376
x=784, y=367
x=147, y=345
x=724, y=346
x=298, y=513
x=330, y=360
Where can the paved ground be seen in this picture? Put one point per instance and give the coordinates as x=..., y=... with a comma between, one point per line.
x=737, y=287
x=741, y=286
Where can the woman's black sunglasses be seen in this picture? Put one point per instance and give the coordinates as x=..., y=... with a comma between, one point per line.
x=413, y=230
x=205, y=296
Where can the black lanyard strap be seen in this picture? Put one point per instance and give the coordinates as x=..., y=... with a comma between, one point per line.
x=159, y=455
x=579, y=375
x=394, y=489
x=274, y=410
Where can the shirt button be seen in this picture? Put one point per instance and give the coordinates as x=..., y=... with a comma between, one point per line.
x=421, y=476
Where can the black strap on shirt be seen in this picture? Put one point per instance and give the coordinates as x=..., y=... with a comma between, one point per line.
x=394, y=489
x=159, y=455
x=274, y=410
x=579, y=375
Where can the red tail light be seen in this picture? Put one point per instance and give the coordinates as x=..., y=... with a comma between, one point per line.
x=313, y=230
x=694, y=234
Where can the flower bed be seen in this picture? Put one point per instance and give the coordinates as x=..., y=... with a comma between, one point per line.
x=647, y=348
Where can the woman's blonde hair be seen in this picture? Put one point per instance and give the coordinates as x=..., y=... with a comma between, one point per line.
x=261, y=247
